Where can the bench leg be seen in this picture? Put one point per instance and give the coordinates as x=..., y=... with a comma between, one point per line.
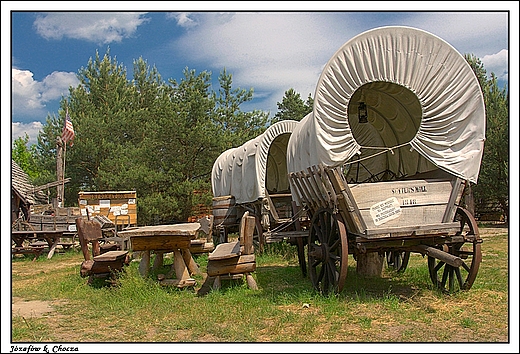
x=181, y=271
x=217, y=283
x=251, y=282
x=158, y=261
x=144, y=265
x=190, y=262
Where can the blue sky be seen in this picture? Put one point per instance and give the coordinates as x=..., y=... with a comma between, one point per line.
x=269, y=51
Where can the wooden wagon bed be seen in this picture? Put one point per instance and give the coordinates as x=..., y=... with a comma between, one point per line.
x=397, y=217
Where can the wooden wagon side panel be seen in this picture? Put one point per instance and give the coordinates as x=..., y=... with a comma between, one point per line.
x=405, y=204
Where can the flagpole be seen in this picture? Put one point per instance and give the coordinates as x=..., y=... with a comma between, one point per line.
x=63, y=180
x=67, y=135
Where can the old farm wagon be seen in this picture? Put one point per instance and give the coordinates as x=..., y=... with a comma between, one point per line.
x=381, y=163
x=253, y=177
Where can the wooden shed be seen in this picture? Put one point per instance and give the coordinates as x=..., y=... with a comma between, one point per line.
x=23, y=195
x=118, y=206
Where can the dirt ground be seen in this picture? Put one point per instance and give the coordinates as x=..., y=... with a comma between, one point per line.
x=28, y=309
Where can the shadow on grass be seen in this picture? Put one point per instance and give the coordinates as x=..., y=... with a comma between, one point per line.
x=289, y=281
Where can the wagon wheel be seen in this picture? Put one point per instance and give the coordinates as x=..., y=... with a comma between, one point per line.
x=327, y=252
x=398, y=260
x=451, y=279
x=258, y=236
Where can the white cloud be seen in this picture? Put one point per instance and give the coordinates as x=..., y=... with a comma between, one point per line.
x=497, y=64
x=20, y=129
x=98, y=27
x=183, y=19
x=57, y=85
x=30, y=96
x=271, y=52
x=478, y=33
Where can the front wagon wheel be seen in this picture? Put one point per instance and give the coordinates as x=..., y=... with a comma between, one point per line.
x=327, y=252
x=451, y=279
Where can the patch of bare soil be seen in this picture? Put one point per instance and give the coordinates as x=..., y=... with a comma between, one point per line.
x=34, y=308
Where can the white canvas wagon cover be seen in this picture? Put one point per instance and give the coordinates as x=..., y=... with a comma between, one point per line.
x=420, y=93
x=246, y=171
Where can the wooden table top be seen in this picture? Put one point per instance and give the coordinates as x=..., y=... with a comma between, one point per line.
x=37, y=232
x=186, y=229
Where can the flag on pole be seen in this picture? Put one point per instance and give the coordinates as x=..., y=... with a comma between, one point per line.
x=68, y=130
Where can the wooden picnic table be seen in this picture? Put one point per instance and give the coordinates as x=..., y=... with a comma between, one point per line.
x=52, y=237
x=162, y=239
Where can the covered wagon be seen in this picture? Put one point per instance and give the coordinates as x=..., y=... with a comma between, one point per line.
x=253, y=177
x=381, y=163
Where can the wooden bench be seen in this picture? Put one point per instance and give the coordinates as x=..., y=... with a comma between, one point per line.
x=98, y=265
x=234, y=260
x=36, y=250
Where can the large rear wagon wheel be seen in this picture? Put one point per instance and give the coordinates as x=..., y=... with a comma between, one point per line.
x=327, y=252
x=451, y=279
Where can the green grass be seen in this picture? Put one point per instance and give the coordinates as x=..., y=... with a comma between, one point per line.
x=398, y=307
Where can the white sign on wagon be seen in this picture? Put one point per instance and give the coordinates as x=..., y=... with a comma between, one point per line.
x=385, y=211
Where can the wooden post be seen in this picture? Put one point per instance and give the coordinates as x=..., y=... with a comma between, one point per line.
x=247, y=228
x=469, y=199
x=60, y=170
x=369, y=264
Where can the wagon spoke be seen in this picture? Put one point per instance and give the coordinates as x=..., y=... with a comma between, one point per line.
x=328, y=252
x=459, y=278
x=335, y=245
x=439, y=266
x=451, y=279
x=322, y=274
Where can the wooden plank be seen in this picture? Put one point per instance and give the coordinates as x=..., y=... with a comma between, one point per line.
x=247, y=228
x=295, y=189
x=317, y=186
x=315, y=189
x=424, y=229
x=225, y=251
x=110, y=256
x=308, y=195
x=416, y=216
x=188, y=229
x=409, y=193
x=328, y=186
x=272, y=208
x=237, y=265
x=346, y=202
x=159, y=243
x=456, y=195
x=91, y=267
